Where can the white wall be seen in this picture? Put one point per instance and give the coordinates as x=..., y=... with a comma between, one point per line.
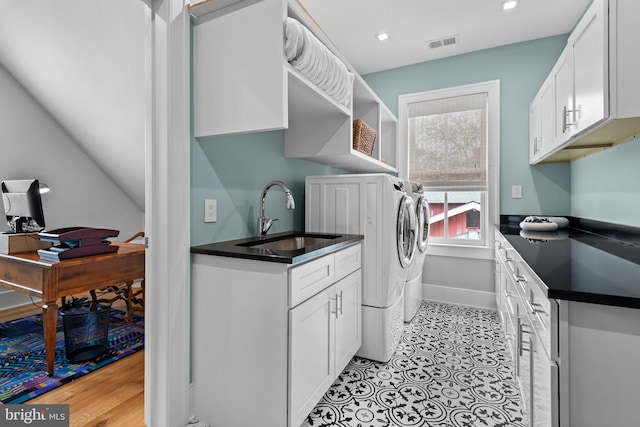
x=33, y=145
x=84, y=61
x=464, y=281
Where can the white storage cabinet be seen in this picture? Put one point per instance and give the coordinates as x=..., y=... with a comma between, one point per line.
x=530, y=324
x=271, y=336
x=575, y=362
x=594, y=92
x=542, y=120
x=243, y=83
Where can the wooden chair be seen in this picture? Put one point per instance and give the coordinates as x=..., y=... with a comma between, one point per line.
x=132, y=297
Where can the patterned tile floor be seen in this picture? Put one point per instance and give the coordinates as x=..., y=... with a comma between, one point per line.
x=451, y=369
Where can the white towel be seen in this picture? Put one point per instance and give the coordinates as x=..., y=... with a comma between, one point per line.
x=315, y=61
x=293, y=39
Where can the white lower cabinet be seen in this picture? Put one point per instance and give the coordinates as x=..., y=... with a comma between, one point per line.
x=527, y=320
x=523, y=364
x=543, y=371
x=348, y=319
x=269, y=339
x=312, y=353
x=576, y=362
x=324, y=335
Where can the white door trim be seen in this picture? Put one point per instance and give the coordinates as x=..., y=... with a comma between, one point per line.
x=167, y=192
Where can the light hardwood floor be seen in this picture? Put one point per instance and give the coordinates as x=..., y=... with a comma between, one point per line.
x=112, y=396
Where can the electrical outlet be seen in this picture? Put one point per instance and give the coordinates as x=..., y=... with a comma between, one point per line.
x=210, y=210
x=516, y=191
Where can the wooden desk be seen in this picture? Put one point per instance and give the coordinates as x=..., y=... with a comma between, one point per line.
x=27, y=273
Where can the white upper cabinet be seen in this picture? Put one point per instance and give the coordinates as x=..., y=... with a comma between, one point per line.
x=564, y=99
x=238, y=78
x=542, y=120
x=589, y=46
x=595, y=95
x=244, y=83
x=581, y=86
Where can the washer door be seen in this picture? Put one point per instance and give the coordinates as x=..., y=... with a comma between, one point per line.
x=407, y=231
x=422, y=211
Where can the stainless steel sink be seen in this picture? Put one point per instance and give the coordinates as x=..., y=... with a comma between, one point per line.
x=291, y=243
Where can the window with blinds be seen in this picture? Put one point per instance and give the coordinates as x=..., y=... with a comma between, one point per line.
x=448, y=142
x=448, y=150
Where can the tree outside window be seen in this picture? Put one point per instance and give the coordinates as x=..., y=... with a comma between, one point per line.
x=448, y=144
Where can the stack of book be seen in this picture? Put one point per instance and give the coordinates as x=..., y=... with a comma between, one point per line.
x=75, y=242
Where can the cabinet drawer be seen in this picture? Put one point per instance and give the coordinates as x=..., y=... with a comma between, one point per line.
x=539, y=309
x=520, y=277
x=347, y=261
x=539, y=305
x=308, y=279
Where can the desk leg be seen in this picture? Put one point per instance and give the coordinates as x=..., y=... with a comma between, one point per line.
x=50, y=322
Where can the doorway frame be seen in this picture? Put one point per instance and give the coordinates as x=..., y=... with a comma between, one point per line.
x=167, y=213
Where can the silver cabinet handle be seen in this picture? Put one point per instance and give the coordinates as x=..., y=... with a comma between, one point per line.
x=334, y=299
x=565, y=123
x=520, y=278
x=533, y=307
x=521, y=332
x=340, y=305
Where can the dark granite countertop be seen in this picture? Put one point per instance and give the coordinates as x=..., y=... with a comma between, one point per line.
x=241, y=248
x=583, y=263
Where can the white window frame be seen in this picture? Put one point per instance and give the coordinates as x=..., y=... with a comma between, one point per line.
x=491, y=203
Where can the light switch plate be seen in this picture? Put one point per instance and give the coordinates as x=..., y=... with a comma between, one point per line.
x=210, y=210
x=516, y=191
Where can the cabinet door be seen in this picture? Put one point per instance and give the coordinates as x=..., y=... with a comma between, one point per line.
x=563, y=80
x=542, y=120
x=311, y=353
x=524, y=363
x=511, y=314
x=542, y=395
x=231, y=92
x=499, y=288
x=534, y=129
x=589, y=45
x=547, y=117
x=348, y=319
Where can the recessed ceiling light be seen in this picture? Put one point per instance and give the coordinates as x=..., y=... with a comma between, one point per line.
x=509, y=4
x=382, y=36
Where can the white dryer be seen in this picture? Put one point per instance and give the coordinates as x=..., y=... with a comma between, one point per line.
x=376, y=206
x=413, y=287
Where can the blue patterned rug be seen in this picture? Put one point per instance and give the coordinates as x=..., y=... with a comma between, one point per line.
x=23, y=373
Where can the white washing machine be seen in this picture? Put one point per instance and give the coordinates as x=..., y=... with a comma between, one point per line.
x=376, y=206
x=413, y=287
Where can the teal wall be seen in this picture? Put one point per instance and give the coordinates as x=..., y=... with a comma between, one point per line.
x=521, y=69
x=234, y=170
x=606, y=186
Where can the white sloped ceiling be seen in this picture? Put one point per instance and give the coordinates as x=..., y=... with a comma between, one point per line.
x=84, y=62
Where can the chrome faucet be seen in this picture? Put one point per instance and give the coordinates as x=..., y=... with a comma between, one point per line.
x=264, y=223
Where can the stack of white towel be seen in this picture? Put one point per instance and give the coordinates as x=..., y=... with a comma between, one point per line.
x=315, y=61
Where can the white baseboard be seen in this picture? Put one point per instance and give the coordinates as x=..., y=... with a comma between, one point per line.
x=459, y=296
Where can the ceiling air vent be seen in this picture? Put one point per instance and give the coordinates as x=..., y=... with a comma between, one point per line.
x=445, y=41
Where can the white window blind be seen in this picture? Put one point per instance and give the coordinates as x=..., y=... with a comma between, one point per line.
x=448, y=142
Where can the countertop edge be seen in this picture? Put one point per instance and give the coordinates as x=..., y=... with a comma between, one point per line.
x=231, y=249
x=578, y=296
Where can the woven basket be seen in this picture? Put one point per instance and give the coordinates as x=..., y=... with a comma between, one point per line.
x=364, y=138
